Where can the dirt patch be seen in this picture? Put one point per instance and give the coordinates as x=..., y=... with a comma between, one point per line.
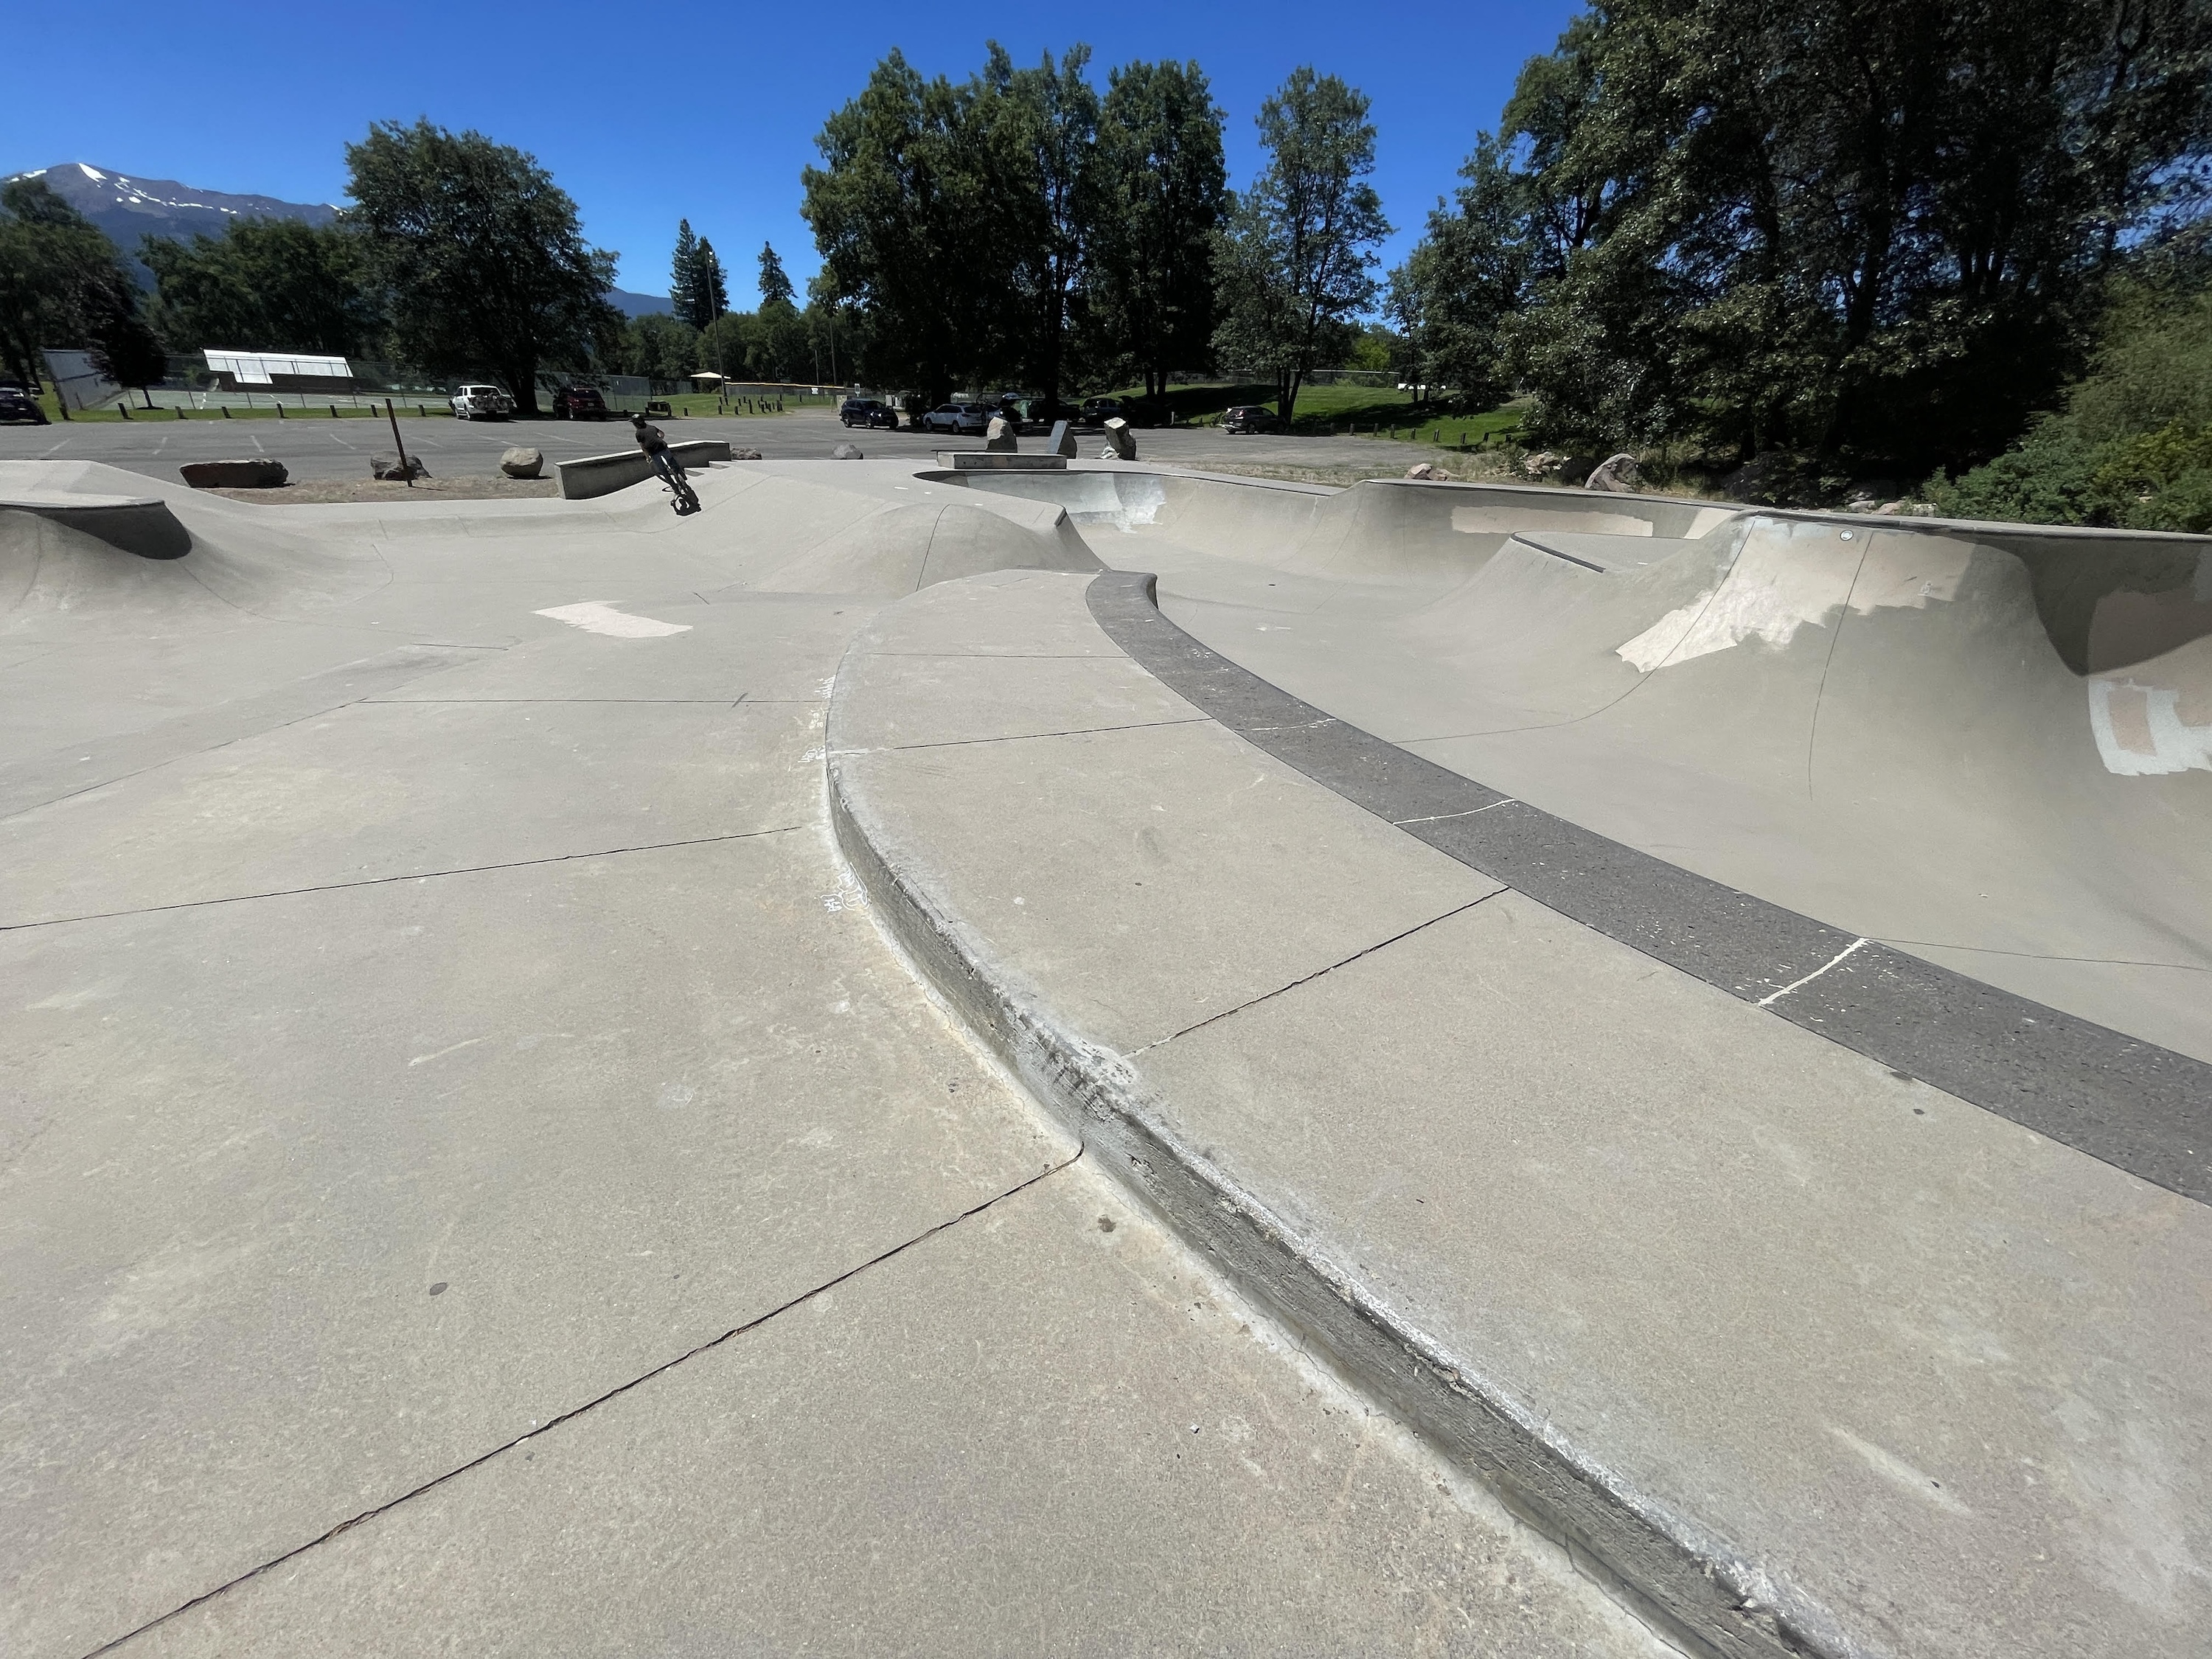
x=317, y=492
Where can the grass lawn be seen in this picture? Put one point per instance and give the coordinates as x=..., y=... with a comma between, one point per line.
x=1327, y=410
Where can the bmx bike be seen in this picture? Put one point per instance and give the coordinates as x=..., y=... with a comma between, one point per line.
x=672, y=479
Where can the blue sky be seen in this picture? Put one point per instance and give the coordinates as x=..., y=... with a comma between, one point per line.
x=647, y=113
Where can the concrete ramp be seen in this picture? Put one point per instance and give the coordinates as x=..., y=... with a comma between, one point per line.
x=902, y=549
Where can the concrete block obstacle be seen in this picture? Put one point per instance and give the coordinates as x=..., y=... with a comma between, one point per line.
x=591, y=475
x=1000, y=435
x=1062, y=441
x=1120, y=441
x=1637, y=1241
x=971, y=460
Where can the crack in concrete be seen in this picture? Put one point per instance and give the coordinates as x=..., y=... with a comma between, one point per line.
x=575, y=1412
x=1380, y=944
x=1022, y=737
x=385, y=881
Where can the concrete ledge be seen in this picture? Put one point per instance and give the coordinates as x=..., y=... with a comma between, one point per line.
x=999, y=460
x=603, y=475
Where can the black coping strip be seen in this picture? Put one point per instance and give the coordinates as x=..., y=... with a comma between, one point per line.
x=2138, y=1107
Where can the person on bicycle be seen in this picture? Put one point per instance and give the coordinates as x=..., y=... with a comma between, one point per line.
x=655, y=443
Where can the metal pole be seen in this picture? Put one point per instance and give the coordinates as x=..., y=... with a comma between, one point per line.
x=405, y=470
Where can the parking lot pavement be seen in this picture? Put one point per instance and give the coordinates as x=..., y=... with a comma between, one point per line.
x=314, y=449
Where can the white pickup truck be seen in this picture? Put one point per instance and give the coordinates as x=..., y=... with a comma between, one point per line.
x=481, y=403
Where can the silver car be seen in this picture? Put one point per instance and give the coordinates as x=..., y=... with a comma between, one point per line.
x=973, y=418
x=481, y=403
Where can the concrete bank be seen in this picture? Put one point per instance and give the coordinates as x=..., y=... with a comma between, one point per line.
x=1804, y=1353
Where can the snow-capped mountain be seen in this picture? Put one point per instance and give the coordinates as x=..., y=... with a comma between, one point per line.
x=129, y=207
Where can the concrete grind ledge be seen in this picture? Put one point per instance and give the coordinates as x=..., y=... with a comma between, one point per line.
x=1690, y=1585
x=603, y=475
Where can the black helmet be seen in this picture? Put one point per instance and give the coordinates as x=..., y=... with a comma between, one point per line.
x=637, y=417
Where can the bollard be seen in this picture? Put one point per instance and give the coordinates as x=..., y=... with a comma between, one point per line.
x=279, y=411
x=226, y=411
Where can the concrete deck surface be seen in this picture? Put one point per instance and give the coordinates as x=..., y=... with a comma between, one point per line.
x=444, y=1047
x=583, y=1080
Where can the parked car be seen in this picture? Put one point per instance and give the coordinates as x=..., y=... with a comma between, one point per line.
x=1033, y=414
x=481, y=403
x=1251, y=417
x=16, y=403
x=971, y=418
x=867, y=411
x=1097, y=411
x=578, y=402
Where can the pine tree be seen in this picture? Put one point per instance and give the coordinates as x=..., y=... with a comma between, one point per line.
x=776, y=288
x=683, y=274
x=710, y=288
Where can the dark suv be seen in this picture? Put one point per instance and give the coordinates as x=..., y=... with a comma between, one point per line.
x=1251, y=417
x=18, y=405
x=578, y=402
x=867, y=411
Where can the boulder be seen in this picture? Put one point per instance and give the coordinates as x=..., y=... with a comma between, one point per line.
x=1121, y=440
x=1616, y=472
x=521, y=463
x=846, y=453
x=744, y=454
x=1062, y=441
x=255, y=472
x=1890, y=509
x=1000, y=434
x=388, y=467
x=1423, y=470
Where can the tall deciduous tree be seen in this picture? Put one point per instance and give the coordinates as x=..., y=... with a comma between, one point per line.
x=1037, y=129
x=1161, y=187
x=895, y=208
x=1469, y=274
x=1876, y=229
x=1297, y=252
x=268, y=284
x=479, y=254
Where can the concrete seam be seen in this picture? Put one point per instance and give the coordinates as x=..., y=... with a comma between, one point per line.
x=387, y=881
x=575, y=1412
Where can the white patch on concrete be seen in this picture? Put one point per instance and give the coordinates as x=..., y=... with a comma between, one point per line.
x=598, y=616
x=1774, y=997
x=1793, y=574
x=2140, y=731
x=1900, y=1474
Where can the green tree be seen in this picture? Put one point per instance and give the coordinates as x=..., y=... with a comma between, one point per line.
x=479, y=255
x=1467, y=276
x=1162, y=185
x=1297, y=252
x=268, y=284
x=698, y=290
x=1876, y=230
x=710, y=286
x=660, y=346
x=898, y=209
x=683, y=275
x=775, y=286
x=1036, y=130
x=62, y=284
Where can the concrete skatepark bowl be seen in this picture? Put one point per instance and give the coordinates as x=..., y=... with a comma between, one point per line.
x=1100, y=1061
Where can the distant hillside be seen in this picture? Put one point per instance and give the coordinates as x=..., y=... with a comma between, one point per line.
x=128, y=207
